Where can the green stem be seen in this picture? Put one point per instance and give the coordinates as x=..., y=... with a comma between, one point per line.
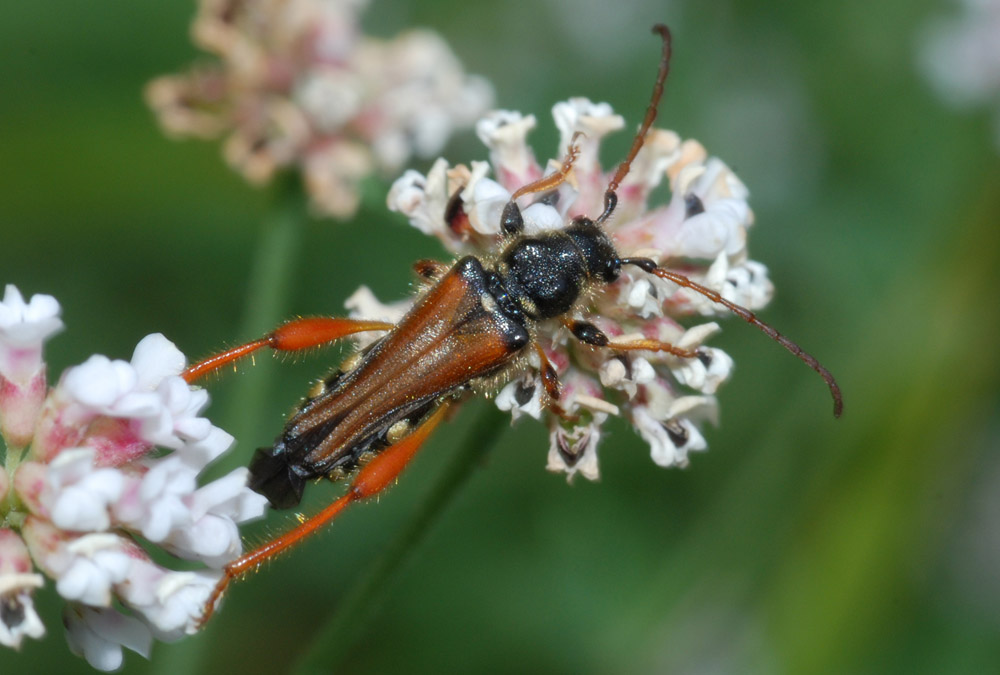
x=332, y=644
x=275, y=259
x=274, y=264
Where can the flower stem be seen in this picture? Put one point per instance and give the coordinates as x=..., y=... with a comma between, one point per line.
x=277, y=255
x=278, y=248
x=332, y=644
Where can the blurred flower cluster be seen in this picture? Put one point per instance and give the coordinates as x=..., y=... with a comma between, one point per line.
x=297, y=85
x=701, y=231
x=107, y=458
x=961, y=57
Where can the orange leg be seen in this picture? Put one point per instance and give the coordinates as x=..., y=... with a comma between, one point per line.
x=550, y=380
x=555, y=179
x=292, y=336
x=511, y=221
x=584, y=331
x=430, y=270
x=377, y=475
x=653, y=346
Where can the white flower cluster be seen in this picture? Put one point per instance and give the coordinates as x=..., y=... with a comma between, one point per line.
x=83, y=476
x=703, y=229
x=961, y=56
x=298, y=85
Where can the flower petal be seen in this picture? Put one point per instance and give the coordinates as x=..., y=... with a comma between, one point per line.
x=99, y=635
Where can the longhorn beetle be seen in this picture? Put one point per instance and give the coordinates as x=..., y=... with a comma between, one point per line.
x=474, y=324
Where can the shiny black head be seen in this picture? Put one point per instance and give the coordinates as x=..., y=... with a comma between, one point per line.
x=548, y=272
x=602, y=259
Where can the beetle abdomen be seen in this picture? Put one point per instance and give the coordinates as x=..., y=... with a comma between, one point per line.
x=458, y=327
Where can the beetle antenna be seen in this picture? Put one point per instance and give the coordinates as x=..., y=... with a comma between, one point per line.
x=611, y=194
x=651, y=267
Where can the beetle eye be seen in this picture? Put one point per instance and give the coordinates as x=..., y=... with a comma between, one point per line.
x=613, y=269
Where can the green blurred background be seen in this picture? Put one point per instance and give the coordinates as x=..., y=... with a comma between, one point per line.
x=797, y=544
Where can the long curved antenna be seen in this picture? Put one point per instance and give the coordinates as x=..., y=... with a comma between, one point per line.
x=650, y=266
x=611, y=194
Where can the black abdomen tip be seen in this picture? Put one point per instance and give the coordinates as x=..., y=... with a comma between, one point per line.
x=271, y=476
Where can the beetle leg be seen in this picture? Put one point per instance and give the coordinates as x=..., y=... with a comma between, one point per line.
x=430, y=270
x=455, y=216
x=653, y=346
x=511, y=221
x=374, y=477
x=550, y=380
x=584, y=331
x=292, y=336
x=553, y=180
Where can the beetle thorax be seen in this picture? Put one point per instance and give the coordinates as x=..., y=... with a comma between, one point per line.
x=548, y=273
